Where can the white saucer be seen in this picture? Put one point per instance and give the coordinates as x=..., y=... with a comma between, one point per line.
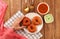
x=39, y=27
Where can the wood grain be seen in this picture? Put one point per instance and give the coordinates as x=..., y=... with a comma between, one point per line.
x=36, y=2
x=50, y=28
x=49, y=31
x=57, y=17
x=7, y=15
x=14, y=6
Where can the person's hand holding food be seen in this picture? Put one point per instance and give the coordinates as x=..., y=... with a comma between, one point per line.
x=16, y=25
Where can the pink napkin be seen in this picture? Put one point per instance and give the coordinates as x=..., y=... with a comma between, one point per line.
x=7, y=33
x=10, y=34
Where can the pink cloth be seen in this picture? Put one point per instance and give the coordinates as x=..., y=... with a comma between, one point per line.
x=6, y=33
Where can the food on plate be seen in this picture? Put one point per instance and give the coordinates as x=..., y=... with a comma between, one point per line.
x=43, y=8
x=36, y=20
x=26, y=21
x=48, y=18
x=32, y=28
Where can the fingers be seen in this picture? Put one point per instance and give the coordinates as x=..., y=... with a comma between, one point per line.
x=22, y=26
x=19, y=19
x=18, y=27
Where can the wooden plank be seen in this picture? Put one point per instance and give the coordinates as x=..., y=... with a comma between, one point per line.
x=7, y=15
x=36, y=2
x=24, y=5
x=50, y=28
x=15, y=6
x=57, y=17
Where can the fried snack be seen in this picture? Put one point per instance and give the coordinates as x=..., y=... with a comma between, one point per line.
x=32, y=28
x=36, y=20
x=26, y=21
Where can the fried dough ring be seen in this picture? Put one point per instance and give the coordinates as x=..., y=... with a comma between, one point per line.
x=36, y=20
x=26, y=21
x=32, y=28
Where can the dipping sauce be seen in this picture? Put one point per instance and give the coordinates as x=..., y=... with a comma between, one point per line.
x=43, y=8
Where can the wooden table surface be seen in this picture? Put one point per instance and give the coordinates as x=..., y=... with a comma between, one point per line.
x=49, y=31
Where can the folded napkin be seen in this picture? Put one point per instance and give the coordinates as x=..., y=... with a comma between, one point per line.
x=9, y=23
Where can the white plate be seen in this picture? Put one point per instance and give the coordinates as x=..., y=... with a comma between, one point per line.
x=30, y=16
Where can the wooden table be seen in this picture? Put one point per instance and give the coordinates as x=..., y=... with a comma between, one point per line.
x=49, y=31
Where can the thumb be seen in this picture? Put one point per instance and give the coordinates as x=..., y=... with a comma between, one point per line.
x=18, y=20
x=19, y=28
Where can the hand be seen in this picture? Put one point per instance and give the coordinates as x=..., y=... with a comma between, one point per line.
x=16, y=25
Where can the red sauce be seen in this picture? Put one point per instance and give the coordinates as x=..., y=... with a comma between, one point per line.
x=43, y=8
